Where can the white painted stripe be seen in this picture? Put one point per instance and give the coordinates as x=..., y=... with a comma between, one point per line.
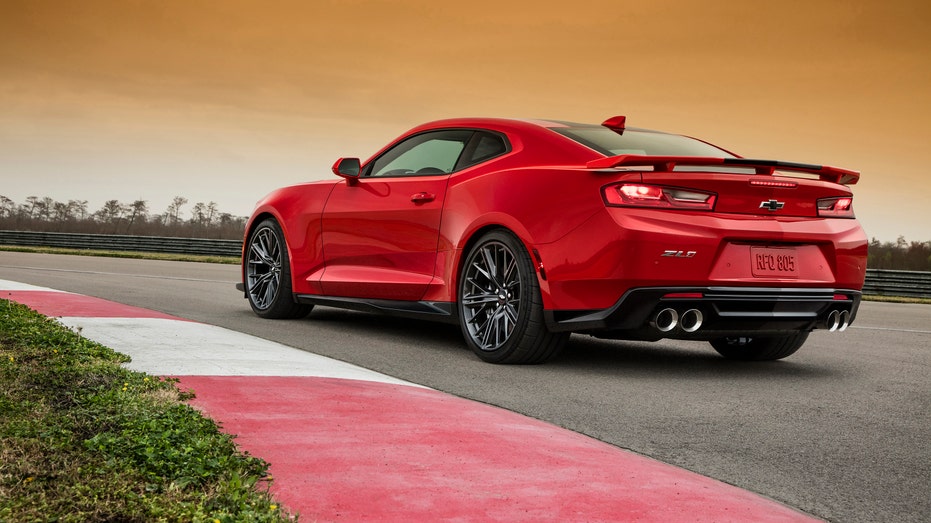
x=864, y=327
x=7, y=285
x=164, y=347
x=145, y=276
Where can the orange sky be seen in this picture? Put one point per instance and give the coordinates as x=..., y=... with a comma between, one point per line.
x=225, y=100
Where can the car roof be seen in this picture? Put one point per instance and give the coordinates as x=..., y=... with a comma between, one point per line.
x=506, y=124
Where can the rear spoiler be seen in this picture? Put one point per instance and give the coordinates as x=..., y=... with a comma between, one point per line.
x=767, y=167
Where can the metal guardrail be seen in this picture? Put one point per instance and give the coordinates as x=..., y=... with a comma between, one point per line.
x=117, y=242
x=912, y=284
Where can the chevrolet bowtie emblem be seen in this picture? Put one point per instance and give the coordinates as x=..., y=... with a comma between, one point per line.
x=772, y=205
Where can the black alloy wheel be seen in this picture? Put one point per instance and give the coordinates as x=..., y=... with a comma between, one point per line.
x=268, y=274
x=500, y=308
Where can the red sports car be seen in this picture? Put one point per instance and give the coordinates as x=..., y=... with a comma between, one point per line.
x=524, y=231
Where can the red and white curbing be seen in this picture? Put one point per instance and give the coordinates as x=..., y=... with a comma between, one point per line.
x=165, y=345
x=346, y=443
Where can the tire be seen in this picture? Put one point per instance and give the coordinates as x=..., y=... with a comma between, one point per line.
x=759, y=349
x=500, y=308
x=268, y=274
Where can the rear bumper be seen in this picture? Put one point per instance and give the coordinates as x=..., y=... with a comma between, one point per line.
x=624, y=249
x=726, y=311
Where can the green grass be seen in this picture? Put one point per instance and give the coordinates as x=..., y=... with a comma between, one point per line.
x=229, y=260
x=83, y=439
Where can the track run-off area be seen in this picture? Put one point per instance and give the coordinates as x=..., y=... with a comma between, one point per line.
x=841, y=430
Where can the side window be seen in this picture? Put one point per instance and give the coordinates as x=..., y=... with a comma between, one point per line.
x=484, y=146
x=425, y=154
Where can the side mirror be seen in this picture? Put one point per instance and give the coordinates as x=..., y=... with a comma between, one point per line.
x=347, y=168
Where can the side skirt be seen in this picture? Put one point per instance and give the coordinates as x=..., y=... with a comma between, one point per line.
x=440, y=311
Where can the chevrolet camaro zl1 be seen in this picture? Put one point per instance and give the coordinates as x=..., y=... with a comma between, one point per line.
x=524, y=231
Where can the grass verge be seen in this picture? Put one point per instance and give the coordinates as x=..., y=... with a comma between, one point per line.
x=83, y=439
x=229, y=260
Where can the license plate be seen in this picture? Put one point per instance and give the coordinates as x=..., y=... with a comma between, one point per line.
x=768, y=262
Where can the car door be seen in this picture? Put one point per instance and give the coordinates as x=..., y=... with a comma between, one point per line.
x=380, y=232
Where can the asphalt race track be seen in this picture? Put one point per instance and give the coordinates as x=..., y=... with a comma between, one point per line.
x=841, y=430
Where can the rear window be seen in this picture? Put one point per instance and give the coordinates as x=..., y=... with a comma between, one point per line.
x=609, y=143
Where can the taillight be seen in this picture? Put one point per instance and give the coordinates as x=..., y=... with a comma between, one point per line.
x=639, y=195
x=841, y=207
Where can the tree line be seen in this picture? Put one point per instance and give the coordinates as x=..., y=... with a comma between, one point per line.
x=136, y=218
x=899, y=255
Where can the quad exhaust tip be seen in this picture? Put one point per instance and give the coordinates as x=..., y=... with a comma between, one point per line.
x=666, y=320
x=691, y=320
x=844, y=321
x=838, y=321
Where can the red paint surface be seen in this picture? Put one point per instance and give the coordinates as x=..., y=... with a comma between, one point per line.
x=362, y=451
x=63, y=304
x=374, y=237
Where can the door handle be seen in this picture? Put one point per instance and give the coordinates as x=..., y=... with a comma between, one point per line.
x=422, y=197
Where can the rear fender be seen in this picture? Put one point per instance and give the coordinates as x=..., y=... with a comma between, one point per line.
x=538, y=206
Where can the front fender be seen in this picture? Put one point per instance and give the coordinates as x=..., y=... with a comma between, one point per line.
x=298, y=210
